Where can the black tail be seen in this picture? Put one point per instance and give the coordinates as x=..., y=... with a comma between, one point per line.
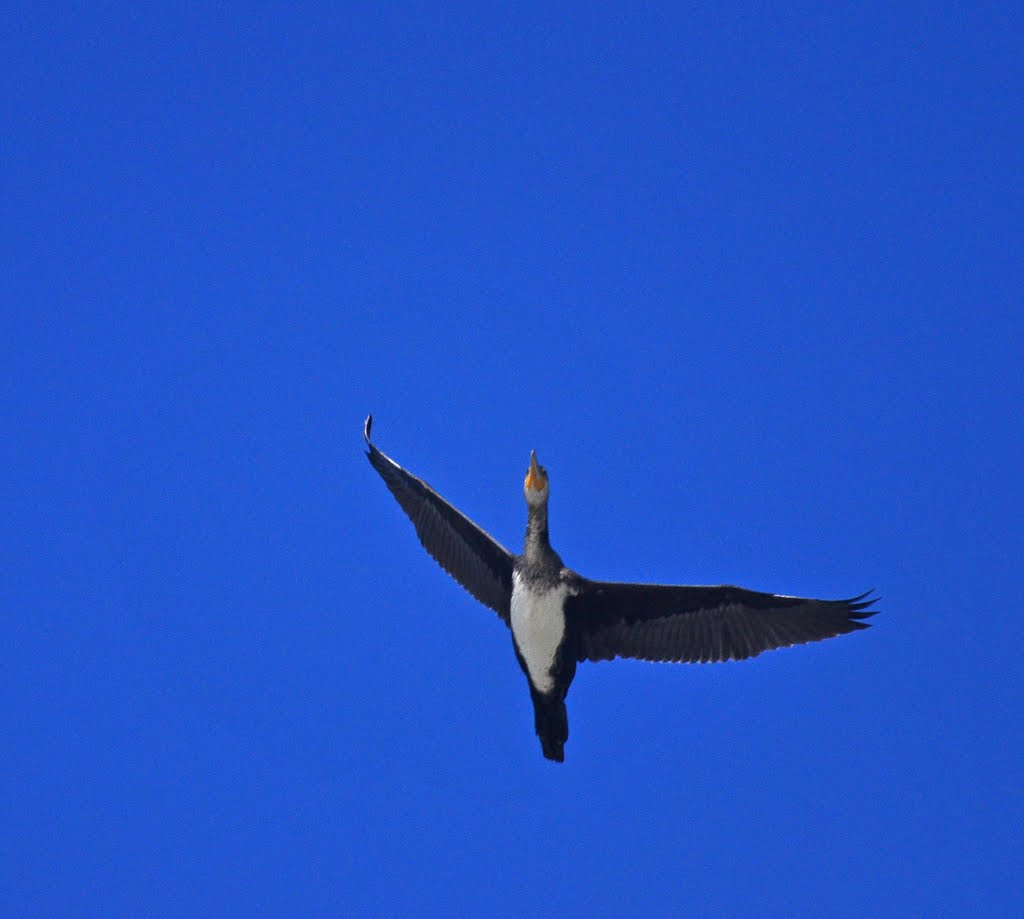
x=551, y=722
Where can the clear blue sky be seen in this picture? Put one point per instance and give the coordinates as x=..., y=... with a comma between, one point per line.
x=749, y=280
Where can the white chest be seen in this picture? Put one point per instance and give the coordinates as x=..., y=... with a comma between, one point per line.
x=538, y=627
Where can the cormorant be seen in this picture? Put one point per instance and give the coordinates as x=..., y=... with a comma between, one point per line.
x=559, y=618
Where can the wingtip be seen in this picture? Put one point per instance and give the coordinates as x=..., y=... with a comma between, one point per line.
x=366, y=427
x=861, y=607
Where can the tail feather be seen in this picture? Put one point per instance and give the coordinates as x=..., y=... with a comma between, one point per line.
x=551, y=721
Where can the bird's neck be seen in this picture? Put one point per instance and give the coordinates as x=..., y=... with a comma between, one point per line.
x=537, y=545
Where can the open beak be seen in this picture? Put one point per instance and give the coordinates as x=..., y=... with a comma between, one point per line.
x=533, y=477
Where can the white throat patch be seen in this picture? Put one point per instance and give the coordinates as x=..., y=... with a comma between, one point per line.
x=538, y=627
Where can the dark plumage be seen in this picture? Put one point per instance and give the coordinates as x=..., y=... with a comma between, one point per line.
x=559, y=618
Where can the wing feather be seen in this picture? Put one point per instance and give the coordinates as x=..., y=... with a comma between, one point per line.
x=469, y=554
x=659, y=622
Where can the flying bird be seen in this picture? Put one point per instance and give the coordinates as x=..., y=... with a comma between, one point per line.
x=559, y=618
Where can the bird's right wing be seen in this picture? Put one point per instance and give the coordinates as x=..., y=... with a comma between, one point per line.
x=658, y=622
x=475, y=559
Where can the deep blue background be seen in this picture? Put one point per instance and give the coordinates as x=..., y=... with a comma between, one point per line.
x=748, y=280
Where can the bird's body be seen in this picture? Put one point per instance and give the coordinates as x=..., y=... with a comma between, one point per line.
x=558, y=618
x=543, y=643
x=538, y=628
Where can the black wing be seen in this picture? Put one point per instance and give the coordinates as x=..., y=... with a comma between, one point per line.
x=656, y=622
x=476, y=560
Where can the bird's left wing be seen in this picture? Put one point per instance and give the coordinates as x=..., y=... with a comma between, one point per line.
x=657, y=622
x=475, y=559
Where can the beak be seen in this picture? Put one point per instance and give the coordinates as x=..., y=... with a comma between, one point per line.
x=533, y=476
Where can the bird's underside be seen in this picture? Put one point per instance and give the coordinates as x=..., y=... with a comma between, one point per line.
x=559, y=618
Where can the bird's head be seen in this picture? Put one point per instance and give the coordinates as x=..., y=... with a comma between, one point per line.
x=536, y=485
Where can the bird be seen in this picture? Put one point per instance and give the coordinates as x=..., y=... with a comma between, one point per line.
x=559, y=618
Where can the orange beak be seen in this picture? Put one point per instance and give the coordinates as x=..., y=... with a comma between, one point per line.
x=534, y=478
